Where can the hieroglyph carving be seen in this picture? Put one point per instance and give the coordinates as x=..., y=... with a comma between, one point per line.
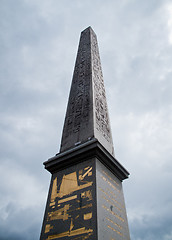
x=78, y=109
x=87, y=113
x=101, y=111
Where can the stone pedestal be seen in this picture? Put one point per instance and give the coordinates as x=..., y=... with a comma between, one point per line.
x=85, y=199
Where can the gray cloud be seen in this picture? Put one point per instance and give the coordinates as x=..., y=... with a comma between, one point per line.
x=39, y=43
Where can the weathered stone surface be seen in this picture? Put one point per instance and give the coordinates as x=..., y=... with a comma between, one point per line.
x=87, y=113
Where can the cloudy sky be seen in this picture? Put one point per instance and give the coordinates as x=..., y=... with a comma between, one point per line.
x=39, y=41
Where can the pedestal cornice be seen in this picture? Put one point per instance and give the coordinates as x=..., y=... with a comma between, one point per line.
x=84, y=152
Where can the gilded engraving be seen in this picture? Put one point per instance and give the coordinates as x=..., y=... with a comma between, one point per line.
x=69, y=233
x=110, y=197
x=85, y=206
x=113, y=229
x=116, y=215
x=71, y=225
x=76, y=189
x=53, y=192
x=81, y=177
x=69, y=184
x=88, y=216
x=121, y=205
x=59, y=214
x=110, y=177
x=83, y=237
x=48, y=227
x=86, y=168
x=119, y=226
x=67, y=199
x=52, y=204
x=87, y=194
x=112, y=204
x=106, y=180
x=63, y=213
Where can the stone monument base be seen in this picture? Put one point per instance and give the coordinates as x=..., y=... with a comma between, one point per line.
x=85, y=199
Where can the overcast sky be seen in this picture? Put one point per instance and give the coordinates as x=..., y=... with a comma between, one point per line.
x=39, y=41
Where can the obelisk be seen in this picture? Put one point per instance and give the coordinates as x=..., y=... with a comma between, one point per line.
x=85, y=199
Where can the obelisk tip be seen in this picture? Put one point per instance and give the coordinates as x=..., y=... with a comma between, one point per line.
x=88, y=29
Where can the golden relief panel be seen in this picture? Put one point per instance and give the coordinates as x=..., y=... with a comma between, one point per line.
x=71, y=202
x=69, y=184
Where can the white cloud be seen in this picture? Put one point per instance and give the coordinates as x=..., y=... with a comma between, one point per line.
x=20, y=184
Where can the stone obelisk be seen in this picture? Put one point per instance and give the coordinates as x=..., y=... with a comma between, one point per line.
x=85, y=199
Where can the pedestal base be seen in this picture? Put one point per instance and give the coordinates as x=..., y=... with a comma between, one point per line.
x=85, y=199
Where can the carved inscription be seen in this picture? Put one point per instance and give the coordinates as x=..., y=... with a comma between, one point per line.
x=112, y=204
x=79, y=103
x=112, y=198
x=87, y=113
x=110, y=220
x=115, y=230
x=110, y=184
x=101, y=111
x=112, y=214
x=110, y=178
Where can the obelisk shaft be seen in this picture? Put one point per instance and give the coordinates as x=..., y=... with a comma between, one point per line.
x=78, y=126
x=87, y=113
